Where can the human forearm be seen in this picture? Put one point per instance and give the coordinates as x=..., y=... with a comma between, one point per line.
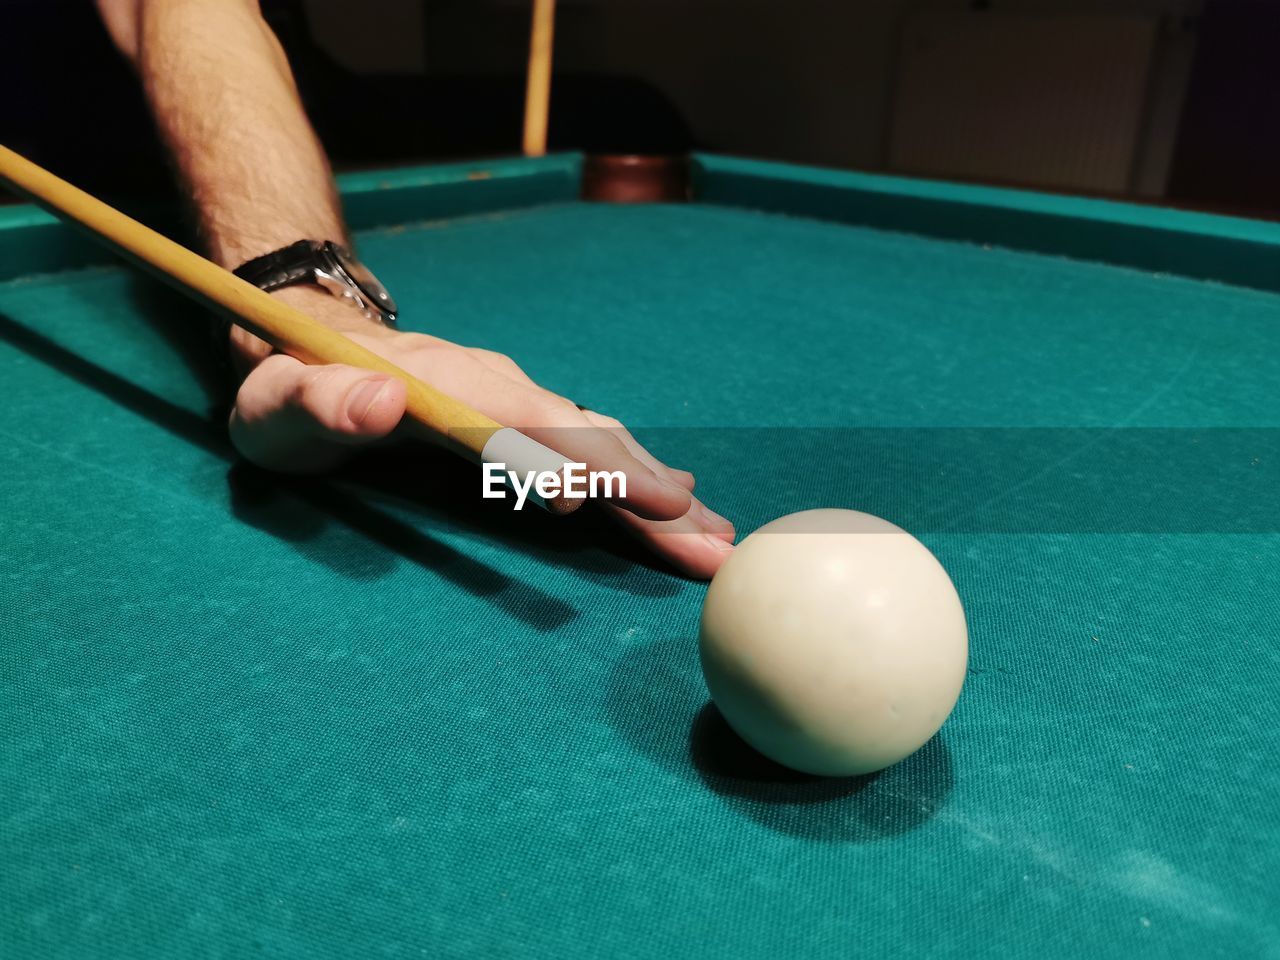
x=226, y=105
x=225, y=102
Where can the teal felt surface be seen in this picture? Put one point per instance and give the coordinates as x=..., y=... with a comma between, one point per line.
x=339, y=718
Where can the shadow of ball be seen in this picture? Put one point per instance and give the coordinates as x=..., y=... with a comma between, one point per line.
x=838, y=809
x=657, y=703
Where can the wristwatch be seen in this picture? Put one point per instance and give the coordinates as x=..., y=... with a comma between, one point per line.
x=326, y=264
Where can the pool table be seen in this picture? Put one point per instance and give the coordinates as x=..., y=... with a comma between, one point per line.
x=370, y=714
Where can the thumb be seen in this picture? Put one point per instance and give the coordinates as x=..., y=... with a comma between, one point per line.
x=298, y=418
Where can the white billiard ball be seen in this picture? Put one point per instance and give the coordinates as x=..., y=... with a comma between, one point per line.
x=833, y=642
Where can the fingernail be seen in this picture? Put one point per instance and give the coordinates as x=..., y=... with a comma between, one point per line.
x=364, y=395
x=722, y=545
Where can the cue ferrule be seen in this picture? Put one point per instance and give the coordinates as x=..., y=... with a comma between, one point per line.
x=523, y=456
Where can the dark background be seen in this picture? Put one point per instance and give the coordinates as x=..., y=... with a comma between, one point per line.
x=1167, y=101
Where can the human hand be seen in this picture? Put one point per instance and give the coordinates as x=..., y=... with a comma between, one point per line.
x=300, y=419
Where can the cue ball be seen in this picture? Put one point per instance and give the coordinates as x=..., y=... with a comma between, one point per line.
x=833, y=642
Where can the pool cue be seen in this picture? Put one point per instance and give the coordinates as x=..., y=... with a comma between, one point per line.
x=537, y=94
x=463, y=429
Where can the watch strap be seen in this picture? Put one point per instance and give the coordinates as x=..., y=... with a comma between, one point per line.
x=280, y=268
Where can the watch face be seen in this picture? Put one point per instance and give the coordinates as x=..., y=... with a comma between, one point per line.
x=366, y=281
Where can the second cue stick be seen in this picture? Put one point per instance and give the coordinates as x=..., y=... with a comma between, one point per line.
x=291, y=331
x=537, y=95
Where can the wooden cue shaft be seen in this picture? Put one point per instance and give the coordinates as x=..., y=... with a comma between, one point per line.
x=538, y=86
x=285, y=328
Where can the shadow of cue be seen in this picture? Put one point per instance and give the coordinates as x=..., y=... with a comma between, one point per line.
x=527, y=603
